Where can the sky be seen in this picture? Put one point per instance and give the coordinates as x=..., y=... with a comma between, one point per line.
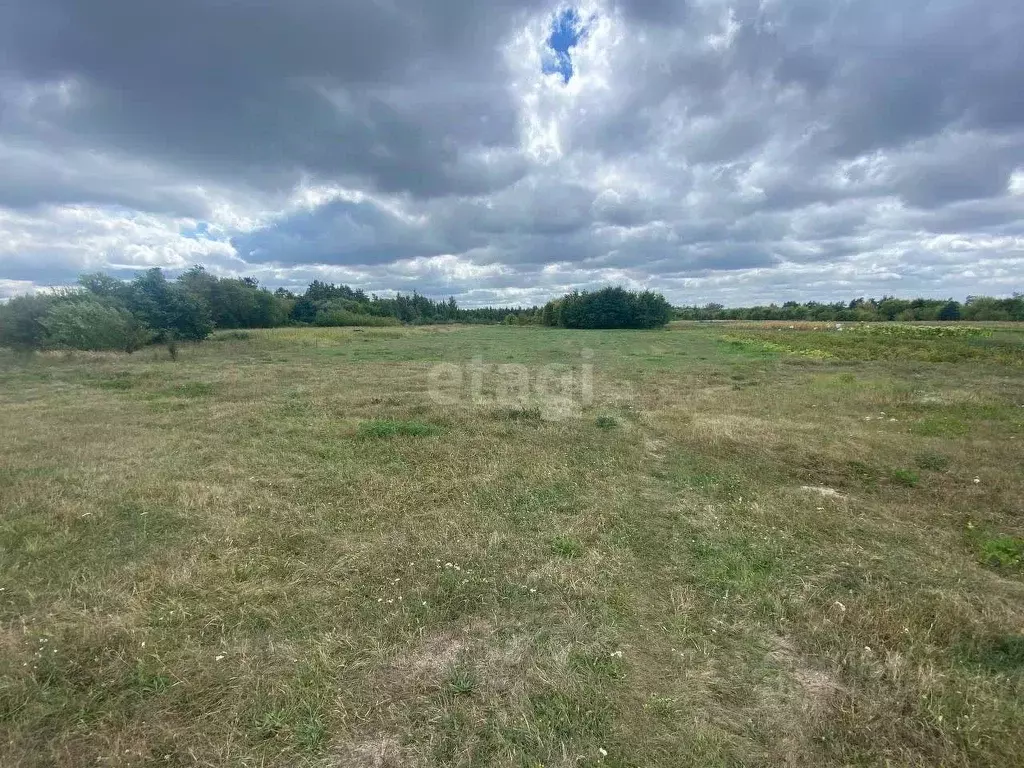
x=506, y=152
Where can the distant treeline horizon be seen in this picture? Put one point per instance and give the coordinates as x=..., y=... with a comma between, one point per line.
x=104, y=312
x=885, y=309
x=417, y=308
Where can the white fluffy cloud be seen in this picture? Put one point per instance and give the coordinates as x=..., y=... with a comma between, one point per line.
x=741, y=151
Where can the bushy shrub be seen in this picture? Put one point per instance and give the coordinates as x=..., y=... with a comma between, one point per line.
x=342, y=318
x=21, y=321
x=89, y=325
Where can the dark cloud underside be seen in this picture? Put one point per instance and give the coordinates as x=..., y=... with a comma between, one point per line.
x=509, y=150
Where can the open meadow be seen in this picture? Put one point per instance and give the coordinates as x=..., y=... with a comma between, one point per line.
x=708, y=545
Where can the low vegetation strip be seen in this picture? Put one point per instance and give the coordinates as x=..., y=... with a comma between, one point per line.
x=284, y=549
x=880, y=342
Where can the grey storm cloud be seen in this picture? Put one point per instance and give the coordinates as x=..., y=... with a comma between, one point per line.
x=716, y=150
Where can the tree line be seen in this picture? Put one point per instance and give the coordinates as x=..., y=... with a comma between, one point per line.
x=105, y=313
x=888, y=308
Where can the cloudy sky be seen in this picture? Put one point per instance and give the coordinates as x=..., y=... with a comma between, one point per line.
x=503, y=152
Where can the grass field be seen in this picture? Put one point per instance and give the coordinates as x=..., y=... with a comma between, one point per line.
x=750, y=545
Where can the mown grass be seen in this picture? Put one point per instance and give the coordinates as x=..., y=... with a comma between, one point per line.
x=282, y=549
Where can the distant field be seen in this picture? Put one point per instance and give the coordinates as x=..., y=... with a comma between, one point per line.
x=716, y=544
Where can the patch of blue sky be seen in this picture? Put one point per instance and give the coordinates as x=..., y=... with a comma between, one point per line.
x=567, y=28
x=201, y=231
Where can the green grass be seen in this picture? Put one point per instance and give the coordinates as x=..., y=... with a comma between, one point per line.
x=1001, y=551
x=905, y=477
x=566, y=546
x=753, y=546
x=391, y=428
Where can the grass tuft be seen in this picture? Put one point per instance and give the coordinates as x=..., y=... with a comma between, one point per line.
x=564, y=546
x=905, y=477
x=461, y=681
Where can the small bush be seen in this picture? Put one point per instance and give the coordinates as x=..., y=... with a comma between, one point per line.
x=388, y=428
x=606, y=422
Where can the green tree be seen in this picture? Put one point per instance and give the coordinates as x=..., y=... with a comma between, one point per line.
x=609, y=308
x=168, y=308
x=950, y=311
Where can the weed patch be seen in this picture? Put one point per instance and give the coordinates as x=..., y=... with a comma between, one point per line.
x=1001, y=551
x=905, y=477
x=461, y=681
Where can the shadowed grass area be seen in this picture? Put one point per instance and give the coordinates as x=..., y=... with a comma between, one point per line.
x=285, y=548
